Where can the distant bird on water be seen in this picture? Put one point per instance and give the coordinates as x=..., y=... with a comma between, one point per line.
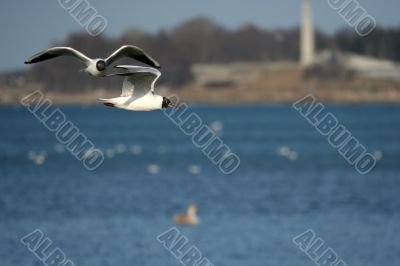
x=189, y=218
x=95, y=67
x=138, y=90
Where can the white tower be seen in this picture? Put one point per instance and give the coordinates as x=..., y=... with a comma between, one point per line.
x=307, y=45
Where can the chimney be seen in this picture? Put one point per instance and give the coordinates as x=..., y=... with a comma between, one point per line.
x=307, y=45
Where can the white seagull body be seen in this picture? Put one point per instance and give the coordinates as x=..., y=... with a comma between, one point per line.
x=95, y=67
x=138, y=90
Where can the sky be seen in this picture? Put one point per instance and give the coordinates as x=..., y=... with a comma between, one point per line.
x=27, y=27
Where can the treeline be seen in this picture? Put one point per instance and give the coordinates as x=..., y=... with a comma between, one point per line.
x=201, y=40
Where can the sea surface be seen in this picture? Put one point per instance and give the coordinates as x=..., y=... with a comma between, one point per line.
x=152, y=171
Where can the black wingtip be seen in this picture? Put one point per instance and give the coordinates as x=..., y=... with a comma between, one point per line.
x=27, y=62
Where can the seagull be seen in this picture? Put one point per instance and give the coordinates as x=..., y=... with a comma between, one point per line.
x=95, y=67
x=189, y=218
x=138, y=90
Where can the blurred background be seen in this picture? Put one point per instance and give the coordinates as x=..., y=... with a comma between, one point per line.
x=240, y=65
x=234, y=52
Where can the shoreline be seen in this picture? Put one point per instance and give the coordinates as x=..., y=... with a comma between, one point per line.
x=276, y=87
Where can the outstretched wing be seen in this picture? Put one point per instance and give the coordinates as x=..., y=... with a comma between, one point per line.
x=132, y=52
x=56, y=52
x=139, y=80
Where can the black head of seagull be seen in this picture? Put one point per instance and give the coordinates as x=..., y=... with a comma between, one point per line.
x=101, y=65
x=167, y=103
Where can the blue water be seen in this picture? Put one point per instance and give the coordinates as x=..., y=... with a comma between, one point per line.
x=112, y=216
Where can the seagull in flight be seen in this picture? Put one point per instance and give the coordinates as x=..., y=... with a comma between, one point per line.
x=138, y=90
x=95, y=67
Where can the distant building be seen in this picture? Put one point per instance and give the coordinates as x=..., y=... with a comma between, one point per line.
x=325, y=64
x=364, y=66
x=360, y=65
